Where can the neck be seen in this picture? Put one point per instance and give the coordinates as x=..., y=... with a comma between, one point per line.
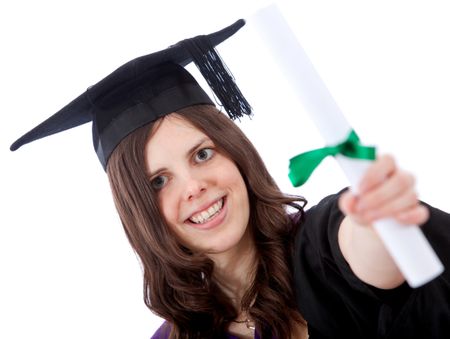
x=235, y=269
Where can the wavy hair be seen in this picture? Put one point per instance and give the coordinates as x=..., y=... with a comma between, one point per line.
x=178, y=283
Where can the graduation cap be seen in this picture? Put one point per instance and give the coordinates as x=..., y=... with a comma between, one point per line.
x=145, y=89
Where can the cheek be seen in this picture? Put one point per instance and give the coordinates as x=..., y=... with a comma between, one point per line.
x=232, y=177
x=168, y=207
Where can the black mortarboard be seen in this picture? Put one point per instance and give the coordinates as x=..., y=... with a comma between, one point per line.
x=146, y=88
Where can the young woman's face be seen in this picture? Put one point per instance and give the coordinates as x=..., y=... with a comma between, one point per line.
x=201, y=192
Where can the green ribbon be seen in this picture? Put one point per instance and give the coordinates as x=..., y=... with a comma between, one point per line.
x=302, y=165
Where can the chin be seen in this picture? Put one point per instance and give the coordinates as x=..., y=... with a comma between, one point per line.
x=227, y=244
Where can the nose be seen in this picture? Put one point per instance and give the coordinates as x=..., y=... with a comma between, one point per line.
x=193, y=187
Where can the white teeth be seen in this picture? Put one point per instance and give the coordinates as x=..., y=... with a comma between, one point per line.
x=211, y=210
x=206, y=215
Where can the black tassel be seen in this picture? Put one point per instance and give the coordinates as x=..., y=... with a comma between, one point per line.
x=218, y=77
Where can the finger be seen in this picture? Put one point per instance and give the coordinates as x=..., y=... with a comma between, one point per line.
x=417, y=215
x=347, y=203
x=394, y=187
x=382, y=168
x=401, y=203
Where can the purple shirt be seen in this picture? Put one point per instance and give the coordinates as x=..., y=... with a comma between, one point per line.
x=164, y=330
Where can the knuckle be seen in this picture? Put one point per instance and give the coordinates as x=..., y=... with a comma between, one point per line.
x=425, y=213
x=414, y=195
x=389, y=159
x=405, y=179
x=411, y=178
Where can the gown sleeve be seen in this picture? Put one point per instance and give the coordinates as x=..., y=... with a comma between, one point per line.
x=162, y=332
x=336, y=304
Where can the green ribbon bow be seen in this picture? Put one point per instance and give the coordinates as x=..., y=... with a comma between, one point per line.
x=302, y=165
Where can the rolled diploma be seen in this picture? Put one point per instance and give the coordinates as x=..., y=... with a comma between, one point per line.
x=406, y=243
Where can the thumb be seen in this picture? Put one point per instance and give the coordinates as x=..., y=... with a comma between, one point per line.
x=347, y=203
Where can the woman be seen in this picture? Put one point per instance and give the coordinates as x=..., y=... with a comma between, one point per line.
x=233, y=261
x=211, y=225
x=222, y=255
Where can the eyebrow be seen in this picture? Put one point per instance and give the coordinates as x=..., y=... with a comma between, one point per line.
x=188, y=153
x=197, y=145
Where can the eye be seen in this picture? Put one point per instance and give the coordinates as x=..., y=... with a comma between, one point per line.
x=159, y=182
x=204, y=154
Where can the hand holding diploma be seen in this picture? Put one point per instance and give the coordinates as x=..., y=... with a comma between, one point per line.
x=385, y=190
x=407, y=245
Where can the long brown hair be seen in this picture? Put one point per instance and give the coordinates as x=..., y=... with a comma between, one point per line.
x=178, y=284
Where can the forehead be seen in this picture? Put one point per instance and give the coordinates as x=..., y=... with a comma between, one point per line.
x=173, y=135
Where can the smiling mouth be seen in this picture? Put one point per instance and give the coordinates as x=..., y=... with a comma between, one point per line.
x=208, y=214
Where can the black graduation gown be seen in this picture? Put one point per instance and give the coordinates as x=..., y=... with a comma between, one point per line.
x=336, y=304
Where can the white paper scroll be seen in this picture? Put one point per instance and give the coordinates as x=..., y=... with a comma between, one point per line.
x=407, y=245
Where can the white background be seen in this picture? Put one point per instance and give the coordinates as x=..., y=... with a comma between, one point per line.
x=66, y=269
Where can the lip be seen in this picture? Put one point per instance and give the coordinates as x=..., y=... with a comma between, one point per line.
x=217, y=220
